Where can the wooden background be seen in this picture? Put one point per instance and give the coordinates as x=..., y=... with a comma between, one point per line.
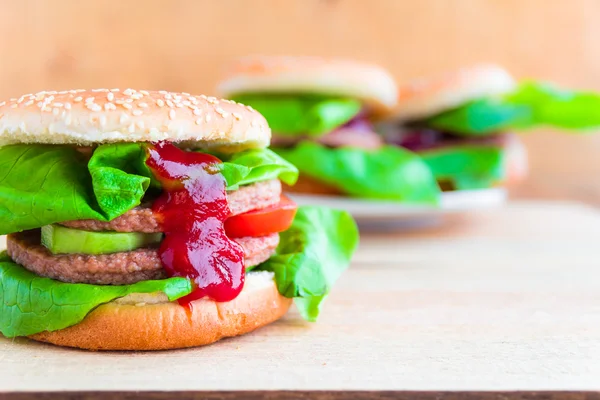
x=183, y=44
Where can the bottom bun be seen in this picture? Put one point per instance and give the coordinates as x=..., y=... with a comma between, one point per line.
x=308, y=185
x=143, y=323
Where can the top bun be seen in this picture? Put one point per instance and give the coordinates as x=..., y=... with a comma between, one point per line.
x=87, y=117
x=271, y=74
x=427, y=97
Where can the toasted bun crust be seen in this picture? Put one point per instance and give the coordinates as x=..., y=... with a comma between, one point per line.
x=86, y=117
x=270, y=74
x=430, y=96
x=308, y=185
x=150, y=322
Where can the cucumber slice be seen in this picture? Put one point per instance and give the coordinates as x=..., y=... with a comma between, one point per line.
x=62, y=240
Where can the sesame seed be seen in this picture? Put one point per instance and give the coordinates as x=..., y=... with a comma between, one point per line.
x=123, y=118
x=207, y=117
x=14, y=106
x=186, y=103
x=236, y=116
x=145, y=92
x=63, y=92
x=197, y=111
x=143, y=105
x=110, y=96
x=68, y=106
x=137, y=96
x=168, y=95
x=55, y=111
x=30, y=102
x=12, y=99
x=77, y=99
x=249, y=108
x=96, y=107
x=59, y=105
x=90, y=99
x=72, y=91
x=170, y=104
x=53, y=92
x=128, y=92
x=171, y=114
x=185, y=94
x=163, y=92
x=109, y=106
x=178, y=105
x=21, y=99
x=137, y=113
x=40, y=104
x=203, y=96
x=126, y=105
x=198, y=121
x=2, y=104
x=119, y=101
x=129, y=101
x=114, y=90
x=103, y=120
x=160, y=103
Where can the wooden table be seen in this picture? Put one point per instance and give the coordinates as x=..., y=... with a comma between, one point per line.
x=498, y=301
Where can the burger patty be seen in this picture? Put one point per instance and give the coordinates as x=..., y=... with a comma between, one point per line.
x=142, y=219
x=112, y=269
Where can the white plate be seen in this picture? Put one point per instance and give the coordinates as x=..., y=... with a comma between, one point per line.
x=369, y=212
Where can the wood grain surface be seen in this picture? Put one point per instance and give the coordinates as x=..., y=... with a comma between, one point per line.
x=498, y=301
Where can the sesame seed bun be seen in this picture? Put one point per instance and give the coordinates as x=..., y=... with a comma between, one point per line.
x=263, y=74
x=426, y=97
x=151, y=322
x=87, y=117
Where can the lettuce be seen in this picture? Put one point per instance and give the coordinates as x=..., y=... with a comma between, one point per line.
x=311, y=256
x=309, y=259
x=31, y=304
x=531, y=105
x=253, y=166
x=388, y=173
x=467, y=166
x=42, y=184
x=311, y=115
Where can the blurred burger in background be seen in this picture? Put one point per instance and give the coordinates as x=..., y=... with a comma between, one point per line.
x=475, y=155
x=322, y=112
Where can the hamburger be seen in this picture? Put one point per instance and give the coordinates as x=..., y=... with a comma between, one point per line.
x=461, y=123
x=321, y=112
x=460, y=159
x=147, y=220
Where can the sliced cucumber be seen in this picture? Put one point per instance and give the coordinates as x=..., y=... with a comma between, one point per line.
x=62, y=240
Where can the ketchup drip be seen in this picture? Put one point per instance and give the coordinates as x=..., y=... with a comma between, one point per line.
x=191, y=210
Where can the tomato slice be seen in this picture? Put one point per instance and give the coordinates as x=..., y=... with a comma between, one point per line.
x=273, y=219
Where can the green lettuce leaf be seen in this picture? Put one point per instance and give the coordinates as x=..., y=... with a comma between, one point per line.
x=31, y=304
x=388, y=173
x=530, y=105
x=253, y=166
x=467, y=166
x=311, y=256
x=311, y=115
x=120, y=177
x=42, y=184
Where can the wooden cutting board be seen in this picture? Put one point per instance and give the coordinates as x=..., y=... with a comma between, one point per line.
x=504, y=300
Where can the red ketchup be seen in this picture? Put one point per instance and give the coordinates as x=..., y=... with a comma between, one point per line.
x=191, y=210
